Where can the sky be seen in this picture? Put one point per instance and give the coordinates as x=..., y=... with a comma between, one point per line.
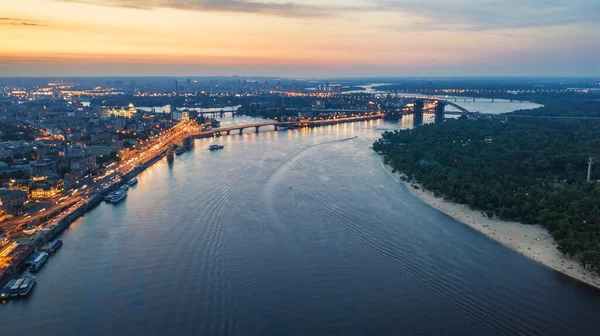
x=299, y=38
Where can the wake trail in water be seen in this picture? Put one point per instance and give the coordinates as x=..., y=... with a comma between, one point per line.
x=274, y=183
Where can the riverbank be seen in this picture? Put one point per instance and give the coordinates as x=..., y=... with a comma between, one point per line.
x=532, y=241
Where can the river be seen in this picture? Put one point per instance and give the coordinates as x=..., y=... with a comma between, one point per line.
x=484, y=105
x=298, y=232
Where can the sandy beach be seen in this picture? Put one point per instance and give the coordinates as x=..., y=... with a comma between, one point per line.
x=532, y=241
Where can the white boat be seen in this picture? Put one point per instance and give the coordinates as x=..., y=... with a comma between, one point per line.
x=38, y=262
x=14, y=290
x=26, y=286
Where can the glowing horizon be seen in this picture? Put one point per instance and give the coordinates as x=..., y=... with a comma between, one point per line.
x=342, y=38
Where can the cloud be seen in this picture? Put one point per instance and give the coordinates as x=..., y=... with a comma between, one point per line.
x=450, y=15
x=20, y=22
x=244, y=6
x=477, y=15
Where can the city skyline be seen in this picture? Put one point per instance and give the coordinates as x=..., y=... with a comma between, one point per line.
x=299, y=39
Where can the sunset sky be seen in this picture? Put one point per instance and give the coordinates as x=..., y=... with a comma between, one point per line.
x=299, y=38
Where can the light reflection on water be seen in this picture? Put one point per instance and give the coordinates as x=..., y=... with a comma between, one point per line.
x=297, y=232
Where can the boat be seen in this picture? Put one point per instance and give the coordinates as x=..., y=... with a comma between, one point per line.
x=26, y=286
x=5, y=292
x=180, y=150
x=133, y=182
x=118, y=196
x=124, y=187
x=53, y=246
x=14, y=290
x=215, y=147
x=38, y=262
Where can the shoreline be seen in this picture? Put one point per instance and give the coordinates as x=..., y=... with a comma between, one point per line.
x=532, y=241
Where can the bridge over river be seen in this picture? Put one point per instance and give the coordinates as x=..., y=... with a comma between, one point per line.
x=285, y=124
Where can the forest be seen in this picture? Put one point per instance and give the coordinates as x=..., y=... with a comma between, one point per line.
x=531, y=173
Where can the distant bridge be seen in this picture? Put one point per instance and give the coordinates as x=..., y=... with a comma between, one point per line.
x=462, y=110
x=286, y=124
x=438, y=109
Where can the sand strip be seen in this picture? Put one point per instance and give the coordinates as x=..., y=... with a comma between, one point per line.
x=532, y=241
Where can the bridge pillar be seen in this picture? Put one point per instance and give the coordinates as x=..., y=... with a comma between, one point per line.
x=241, y=131
x=228, y=132
x=257, y=127
x=418, y=112
x=275, y=127
x=473, y=99
x=439, y=112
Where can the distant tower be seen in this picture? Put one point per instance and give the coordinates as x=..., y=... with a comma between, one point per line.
x=590, y=163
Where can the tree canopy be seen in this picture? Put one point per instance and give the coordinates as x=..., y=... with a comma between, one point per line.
x=515, y=171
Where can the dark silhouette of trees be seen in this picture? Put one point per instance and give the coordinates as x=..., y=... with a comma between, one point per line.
x=514, y=171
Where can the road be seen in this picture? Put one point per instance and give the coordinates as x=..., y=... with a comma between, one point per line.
x=84, y=187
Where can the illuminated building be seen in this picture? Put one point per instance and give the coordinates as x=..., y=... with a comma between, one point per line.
x=46, y=189
x=122, y=112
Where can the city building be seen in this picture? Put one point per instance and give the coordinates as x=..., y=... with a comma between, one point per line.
x=43, y=169
x=48, y=188
x=11, y=200
x=19, y=184
x=104, y=138
x=83, y=165
x=101, y=150
x=128, y=112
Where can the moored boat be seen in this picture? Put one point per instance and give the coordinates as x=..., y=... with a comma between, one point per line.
x=5, y=292
x=133, y=181
x=215, y=147
x=180, y=150
x=118, y=196
x=14, y=290
x=53, y=246
x=26, y=286
x=38, y=262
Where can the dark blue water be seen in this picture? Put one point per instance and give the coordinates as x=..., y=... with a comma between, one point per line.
x=290, y=233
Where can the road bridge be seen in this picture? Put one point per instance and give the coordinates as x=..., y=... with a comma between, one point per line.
x=285, y=124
